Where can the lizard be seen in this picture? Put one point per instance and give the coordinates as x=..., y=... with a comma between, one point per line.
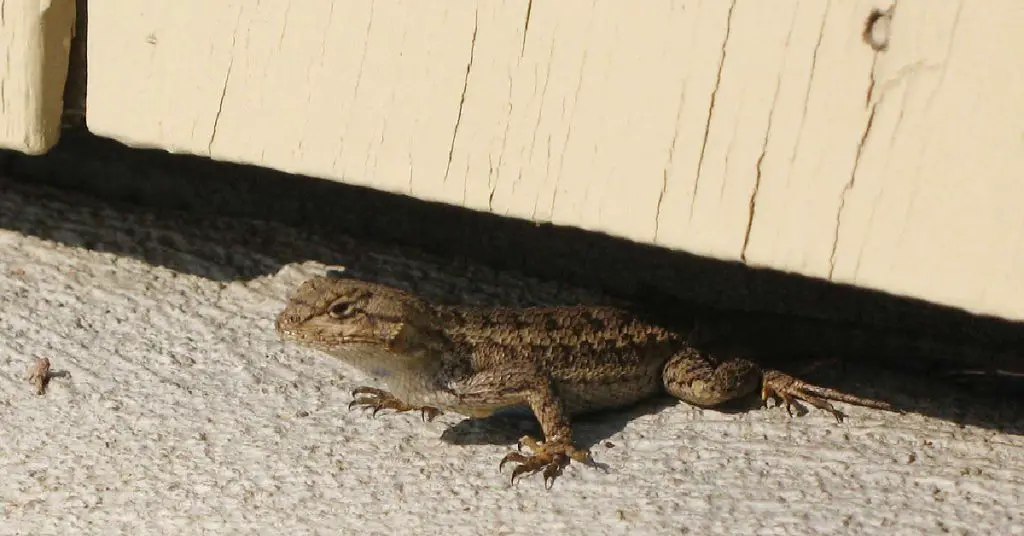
x=559, y=361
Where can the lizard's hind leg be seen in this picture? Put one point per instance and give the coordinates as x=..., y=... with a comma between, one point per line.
x=779, y=385
x=697, y=377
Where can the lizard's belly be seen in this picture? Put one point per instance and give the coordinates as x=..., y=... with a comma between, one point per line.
x=580, y=397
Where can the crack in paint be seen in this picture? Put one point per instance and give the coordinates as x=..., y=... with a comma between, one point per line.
x=711, y=108
x=568, y=130
x=668, y=163
x=224, y=85
x=492, y=182
x=284, y=24
x=389, y=106
x=355, y=87
x=462, y=99
x=327, y=28
x=752, y=205
x=810, y=85
x=848, y=187
x=900, y=75
x=493, y=185
x=526, y=28
x=7, y=59
x=536, y=124
x=946, y=58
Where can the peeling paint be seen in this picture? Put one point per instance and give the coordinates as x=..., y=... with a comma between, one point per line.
x=873, y=98
x=877, y=28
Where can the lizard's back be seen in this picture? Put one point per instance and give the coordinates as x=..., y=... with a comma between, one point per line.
x=598, y=357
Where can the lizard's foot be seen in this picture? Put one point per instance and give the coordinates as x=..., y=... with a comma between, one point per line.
x=378, y=399
x=551, y=457
x=778, y=386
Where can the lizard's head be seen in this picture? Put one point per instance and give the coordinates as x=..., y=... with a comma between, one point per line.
x=337, y=314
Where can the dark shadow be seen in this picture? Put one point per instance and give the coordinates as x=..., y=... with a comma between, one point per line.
x=157, y=207
x=78, y=69
x=967, y=405
x=506, y=427
x=58, y=374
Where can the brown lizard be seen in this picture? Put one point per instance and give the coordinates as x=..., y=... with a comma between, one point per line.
x=558, y=361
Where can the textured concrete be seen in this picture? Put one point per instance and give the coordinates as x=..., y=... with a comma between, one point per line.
x=176, y=410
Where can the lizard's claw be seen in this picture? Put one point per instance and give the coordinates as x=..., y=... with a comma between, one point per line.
x=780, y=386
x=378, y=399
x=551, y=457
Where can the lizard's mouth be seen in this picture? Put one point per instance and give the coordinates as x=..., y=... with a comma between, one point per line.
x=359, y=339
x=321, y=331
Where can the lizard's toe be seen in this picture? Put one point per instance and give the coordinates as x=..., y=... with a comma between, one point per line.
x=378, y=399
x=777, y=385
x=551, y=457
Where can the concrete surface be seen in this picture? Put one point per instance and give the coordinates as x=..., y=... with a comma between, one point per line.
x=176, y=410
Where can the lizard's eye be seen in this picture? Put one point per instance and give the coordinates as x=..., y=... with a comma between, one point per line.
x=342, y=310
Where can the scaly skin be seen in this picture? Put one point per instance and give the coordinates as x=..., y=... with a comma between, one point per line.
x=558, y=361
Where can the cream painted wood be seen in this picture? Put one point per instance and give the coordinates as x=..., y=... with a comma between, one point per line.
x=763, y=132
x=35, y=39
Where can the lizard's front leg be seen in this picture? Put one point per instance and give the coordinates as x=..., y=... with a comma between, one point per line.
x=557, y=449
x=378, y=399
x=697, y=378
x=506, y=388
